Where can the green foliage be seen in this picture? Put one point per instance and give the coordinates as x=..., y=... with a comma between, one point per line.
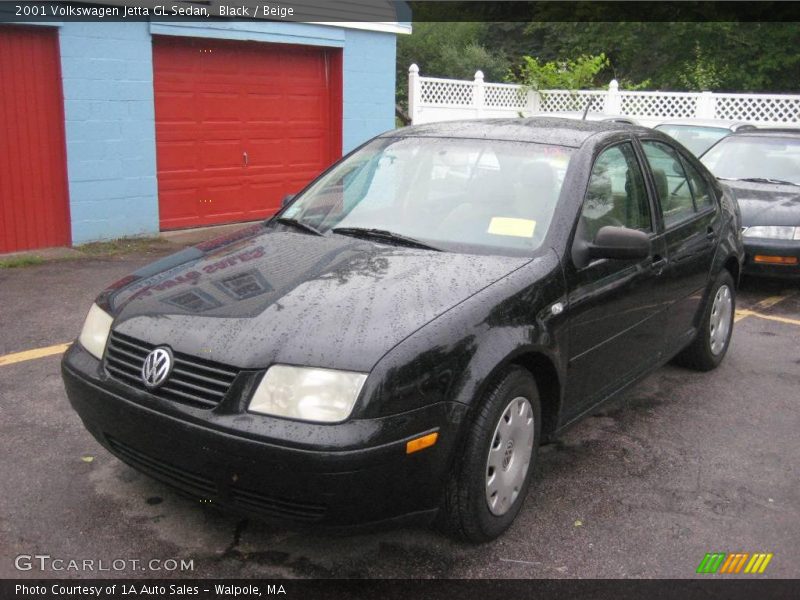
x=462, y=61
x=452, y=50
x=738, y=57
x=630, y=86
x=575, y=74
x=702, y=73
x=18, y=262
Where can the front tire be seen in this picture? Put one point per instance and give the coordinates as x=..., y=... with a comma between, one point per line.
x=492, y=474
x=714, y=335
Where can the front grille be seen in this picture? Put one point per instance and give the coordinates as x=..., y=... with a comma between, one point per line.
x=203, y=487
x=193, y=381
x=276, y=507
x=185, y=480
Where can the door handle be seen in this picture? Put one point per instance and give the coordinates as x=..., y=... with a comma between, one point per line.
x=245, y=158
x=658, y=264
x=710, y=233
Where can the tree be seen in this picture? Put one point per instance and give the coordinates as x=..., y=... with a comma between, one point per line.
x=575, y=74
x=452, y=50
x=747, y=56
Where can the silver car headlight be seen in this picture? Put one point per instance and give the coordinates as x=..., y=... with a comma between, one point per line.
x=95, y=331
x=772, y=232
x=307, y=394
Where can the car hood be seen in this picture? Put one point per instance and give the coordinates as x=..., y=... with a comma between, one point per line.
x=266, y=296
x=766, y=203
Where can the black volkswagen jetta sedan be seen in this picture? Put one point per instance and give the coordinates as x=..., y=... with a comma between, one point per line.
x=398, y=340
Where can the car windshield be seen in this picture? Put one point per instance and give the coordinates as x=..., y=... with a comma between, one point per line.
x=696, y=138
x=755, y=157
x=459, y=195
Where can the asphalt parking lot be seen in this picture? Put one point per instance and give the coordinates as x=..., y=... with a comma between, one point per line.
x=684, y=464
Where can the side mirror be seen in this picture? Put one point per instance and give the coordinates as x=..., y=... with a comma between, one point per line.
x=287, y=199
x=620, y=243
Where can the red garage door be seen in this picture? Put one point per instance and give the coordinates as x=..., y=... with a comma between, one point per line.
x=34, y=211
x=239, y=125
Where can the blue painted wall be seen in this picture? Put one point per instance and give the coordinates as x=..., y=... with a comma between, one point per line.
x=107, y=75
x=368, y=71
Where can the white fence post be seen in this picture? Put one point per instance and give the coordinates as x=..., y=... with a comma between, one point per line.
x=533, y=102
x=612, y=105
x=479, y=97
x=705, y=106
x=413, y=93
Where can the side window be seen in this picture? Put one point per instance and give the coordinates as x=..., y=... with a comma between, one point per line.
x=700, y=189
x=674, y=191
x=616, y=193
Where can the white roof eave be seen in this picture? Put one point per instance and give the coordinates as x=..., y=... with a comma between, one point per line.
x=386, y=27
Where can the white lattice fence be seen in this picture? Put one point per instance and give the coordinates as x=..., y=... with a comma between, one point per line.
x=504, y=95
x=446, y=92
x=436, y=99
x=658, y=104
x=564, y=100
x=757, y=109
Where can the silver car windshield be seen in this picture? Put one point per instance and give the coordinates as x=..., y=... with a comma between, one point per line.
x=459, y=195
x=755, y=157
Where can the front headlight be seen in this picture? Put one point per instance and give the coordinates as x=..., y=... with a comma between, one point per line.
x=308, y=394
x=95, y=331
x=772, y=232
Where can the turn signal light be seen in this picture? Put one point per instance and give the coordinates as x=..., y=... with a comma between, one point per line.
x=420, y=443
x=775, y=260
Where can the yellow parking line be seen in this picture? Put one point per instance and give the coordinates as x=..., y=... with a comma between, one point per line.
x=761, y=305
x=771, y=301
x=10, y=359
x=741, y=314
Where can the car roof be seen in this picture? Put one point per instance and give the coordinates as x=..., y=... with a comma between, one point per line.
x=590, y=116
x=723, y=123
x=789, y=132
x=542, y=130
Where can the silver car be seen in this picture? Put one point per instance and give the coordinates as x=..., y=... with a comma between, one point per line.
x=698, y=135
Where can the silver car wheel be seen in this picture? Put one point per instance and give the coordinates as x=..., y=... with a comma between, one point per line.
x=720, y=319
x=509, y=455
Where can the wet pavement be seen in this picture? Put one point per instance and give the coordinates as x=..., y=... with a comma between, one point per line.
x=683, y=464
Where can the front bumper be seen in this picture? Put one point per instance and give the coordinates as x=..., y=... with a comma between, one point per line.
x=761, y=247
x=342, y=475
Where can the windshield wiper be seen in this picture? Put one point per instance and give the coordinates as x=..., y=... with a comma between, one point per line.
x=383, y=234
x=298, y=224
x=767, y=180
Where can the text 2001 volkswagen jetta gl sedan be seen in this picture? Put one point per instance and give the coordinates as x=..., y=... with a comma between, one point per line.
x=397, y=341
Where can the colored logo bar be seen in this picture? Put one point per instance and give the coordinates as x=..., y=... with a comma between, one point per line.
x=737, y=562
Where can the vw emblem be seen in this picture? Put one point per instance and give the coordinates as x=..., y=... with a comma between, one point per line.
x=156, y=368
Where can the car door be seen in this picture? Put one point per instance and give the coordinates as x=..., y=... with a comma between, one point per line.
x=615, y=306
x=690, y=214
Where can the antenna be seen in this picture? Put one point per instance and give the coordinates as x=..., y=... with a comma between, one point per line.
x=586, y=109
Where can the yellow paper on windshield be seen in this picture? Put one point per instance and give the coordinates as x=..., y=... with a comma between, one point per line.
x=511, y=226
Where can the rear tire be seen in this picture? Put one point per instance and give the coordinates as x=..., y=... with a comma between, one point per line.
x=714, y=336
x=488, y=485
